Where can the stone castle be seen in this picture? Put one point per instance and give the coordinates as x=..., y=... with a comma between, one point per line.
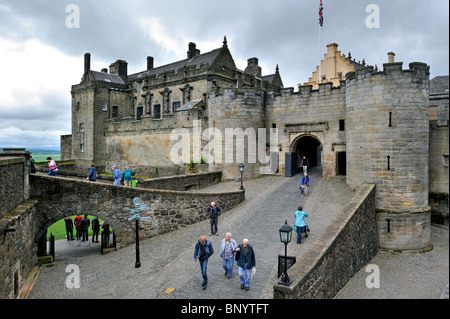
x=385, y=129
x=367, y=125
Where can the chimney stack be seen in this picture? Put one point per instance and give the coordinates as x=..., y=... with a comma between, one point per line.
x=150, y=61
x=192, y=50
x=253, y=67
x=120, y=67
x=87, y=63
x=391, y=57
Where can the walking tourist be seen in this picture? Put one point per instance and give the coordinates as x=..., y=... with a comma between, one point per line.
x=227, y=248
x=214, y=212
x=305, y=164
x=126, y=175
x=92, y=173
x=300, y=223
x=116, y=175
x=245, y=257
x=203, y=250
x=304, y=183
x=52, y=167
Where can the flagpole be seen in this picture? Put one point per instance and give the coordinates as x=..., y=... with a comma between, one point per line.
x=319, y=76
x=320, y=59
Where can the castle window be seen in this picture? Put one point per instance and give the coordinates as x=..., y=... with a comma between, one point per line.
x=104, y=106
x=140, y=111
x=341, y=125
x=157, y=111
x=78, y=106
x=175, y=105
x=82, y=148
x=81, y=127
x=115, y=111
x=340, y=75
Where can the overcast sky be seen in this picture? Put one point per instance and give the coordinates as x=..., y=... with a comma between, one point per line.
x=42, y=47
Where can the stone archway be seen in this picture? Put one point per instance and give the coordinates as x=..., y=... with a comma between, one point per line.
x=310, y=146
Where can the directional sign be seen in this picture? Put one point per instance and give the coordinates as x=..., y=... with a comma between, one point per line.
x=137, y=209
x=142, y=207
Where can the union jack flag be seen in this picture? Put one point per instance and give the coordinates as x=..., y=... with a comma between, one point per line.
x=321, y=14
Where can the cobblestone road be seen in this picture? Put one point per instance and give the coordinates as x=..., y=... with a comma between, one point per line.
x=167, y=261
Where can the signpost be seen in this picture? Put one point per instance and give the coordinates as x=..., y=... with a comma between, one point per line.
x=135, y=211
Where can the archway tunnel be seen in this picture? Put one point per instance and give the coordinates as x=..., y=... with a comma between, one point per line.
x=311, y=148
x=72, y=242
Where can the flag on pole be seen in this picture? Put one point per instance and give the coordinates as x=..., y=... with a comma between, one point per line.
x=321, y=14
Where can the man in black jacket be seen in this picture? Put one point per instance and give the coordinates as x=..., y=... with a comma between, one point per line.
x=214, y=212
x=203, y=250
x=85, y=223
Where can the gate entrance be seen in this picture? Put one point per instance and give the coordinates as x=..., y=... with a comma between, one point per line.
x=310, y=147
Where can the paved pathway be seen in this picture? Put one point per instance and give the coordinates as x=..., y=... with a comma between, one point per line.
x=167, y=261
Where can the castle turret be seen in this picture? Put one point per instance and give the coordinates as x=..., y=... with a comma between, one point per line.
x=387, y=144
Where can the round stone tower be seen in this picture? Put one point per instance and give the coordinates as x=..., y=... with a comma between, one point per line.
x=237, y=115
x=387, y=145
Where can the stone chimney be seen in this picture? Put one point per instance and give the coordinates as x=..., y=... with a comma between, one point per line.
x=192, y=50
x=391, y=57
x=120, y=67
x=87, y=63
x=253, y=67
x=150, y=61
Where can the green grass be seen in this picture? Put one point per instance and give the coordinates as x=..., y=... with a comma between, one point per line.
x=58, y=229
x=43, y=158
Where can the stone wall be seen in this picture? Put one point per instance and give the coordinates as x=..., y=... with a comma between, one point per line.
x=347, y=244
x=17, y=247
x=66, y=147
x=439, y=152
x=405, y=231
x=309, y=112
x=18, y=254
x=11, y=183
x=170, y=210
x=182, y=182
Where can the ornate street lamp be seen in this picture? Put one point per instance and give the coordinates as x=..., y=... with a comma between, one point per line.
x=285, y=237
x=241, y=169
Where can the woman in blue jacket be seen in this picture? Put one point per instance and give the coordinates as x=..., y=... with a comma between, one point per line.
x=300, y=222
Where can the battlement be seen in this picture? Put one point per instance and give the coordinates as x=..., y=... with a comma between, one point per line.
x=417, y=70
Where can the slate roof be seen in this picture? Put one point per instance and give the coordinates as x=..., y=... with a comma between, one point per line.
x=439, y=84
x=107, y=77
x=197, y=60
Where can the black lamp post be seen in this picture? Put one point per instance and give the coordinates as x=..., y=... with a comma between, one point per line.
x=285, y=237
x=241, y=169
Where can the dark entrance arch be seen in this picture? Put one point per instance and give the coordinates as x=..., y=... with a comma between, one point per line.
x=309, y=146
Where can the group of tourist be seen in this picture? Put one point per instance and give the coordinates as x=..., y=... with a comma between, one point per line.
x=81, y=226
x=230, y=252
